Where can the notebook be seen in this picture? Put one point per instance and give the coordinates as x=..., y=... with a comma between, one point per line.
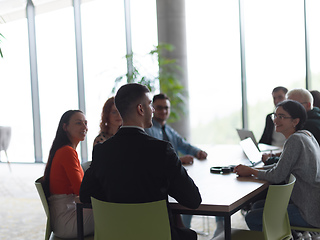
x=251, y=151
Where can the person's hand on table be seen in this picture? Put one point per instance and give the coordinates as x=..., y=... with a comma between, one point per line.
x=245, y=171
x=201, y=155
x=270, y=158
x=187, y=159
x=265, y=156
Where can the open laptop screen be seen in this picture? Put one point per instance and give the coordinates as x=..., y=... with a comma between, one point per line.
x=244, y=133
x=251, y=151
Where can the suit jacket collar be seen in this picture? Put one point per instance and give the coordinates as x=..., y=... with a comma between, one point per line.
x=131, y=130
x=132, y=127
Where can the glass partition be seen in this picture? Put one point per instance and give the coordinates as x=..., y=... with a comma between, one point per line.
x=214, y=70
x=144, y=36
x=313, y=8
x=104, y=50
x=57, y=72
x=275, y=53
x=15, y=91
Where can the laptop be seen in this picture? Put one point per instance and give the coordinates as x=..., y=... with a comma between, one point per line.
x=251, y=151
x=244, y=133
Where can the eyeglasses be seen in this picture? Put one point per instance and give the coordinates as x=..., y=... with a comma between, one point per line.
x=160, y=108
x=280, y=116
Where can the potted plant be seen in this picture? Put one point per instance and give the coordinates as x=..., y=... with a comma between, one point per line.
x=166, y=78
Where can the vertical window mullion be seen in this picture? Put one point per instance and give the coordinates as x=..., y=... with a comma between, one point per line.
x=307, y=47
x=127, y=15
x=243, y=68
x=80, y=75
x=34, y=82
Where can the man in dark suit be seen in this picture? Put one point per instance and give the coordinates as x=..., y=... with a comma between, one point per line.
x=270, y=136
x=132, y=167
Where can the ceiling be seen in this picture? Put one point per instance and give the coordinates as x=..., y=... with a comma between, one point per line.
x=11, y=10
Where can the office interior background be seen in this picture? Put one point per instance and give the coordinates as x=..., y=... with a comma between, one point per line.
x=279, y=46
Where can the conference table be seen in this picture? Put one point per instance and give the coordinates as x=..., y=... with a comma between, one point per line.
x=222, y=194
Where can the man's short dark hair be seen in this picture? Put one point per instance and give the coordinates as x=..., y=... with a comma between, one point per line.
x=128, y=96
x=160, y=96
x=280, y=88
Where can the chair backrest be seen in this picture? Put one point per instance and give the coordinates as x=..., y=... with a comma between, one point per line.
x=45, y=205
x=5, y=136
x=49, y=234
x=276, y=223
x=143, y=221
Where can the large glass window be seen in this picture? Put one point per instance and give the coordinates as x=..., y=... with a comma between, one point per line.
x=57, y=70
x=214, y=71
x=104, y=50
x=144, y=25
x=15, y=91
x=275, y=53
x=144, y=35
x=274, y=50
x=313, y=8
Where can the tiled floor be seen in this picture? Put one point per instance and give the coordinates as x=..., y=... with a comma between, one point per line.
x=207, y=225
x=22, y=216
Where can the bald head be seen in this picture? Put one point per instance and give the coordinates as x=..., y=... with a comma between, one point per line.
x=302, y=96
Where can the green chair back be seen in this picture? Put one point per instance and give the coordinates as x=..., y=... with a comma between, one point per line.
x=119, y=221
x=275, y=217
x=49, y=235
x=305, y=229
x=45, y=205
x=275, y=220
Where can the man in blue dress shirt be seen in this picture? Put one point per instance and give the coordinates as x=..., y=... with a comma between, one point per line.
x=161, y=130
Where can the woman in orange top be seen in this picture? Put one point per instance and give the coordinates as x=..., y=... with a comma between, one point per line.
x=63, y=176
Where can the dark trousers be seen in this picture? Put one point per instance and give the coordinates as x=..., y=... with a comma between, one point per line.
x=183, y=234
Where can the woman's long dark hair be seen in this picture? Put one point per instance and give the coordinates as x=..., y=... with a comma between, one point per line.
x=61, y=139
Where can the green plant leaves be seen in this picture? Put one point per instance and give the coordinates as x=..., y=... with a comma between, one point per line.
x=1, y=36
x=167, y=78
